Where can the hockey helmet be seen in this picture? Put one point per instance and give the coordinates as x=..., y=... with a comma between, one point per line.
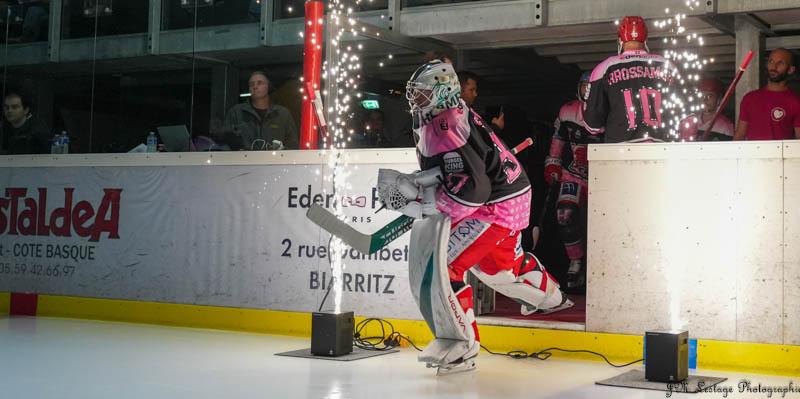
x=710, y=85
x=432, y=89
x=632, y=29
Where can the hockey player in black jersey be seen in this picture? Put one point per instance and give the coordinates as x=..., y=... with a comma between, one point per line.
x=627, y=92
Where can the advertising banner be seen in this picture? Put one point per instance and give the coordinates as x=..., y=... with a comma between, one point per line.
x=233, y=236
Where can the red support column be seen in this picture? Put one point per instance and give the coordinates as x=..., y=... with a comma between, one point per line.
x=312, y=66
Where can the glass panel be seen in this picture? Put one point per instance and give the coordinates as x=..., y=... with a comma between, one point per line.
x=417, y=3
x=295, y=9
x=183, y=14
x=277, y=105
x=72, y=108
x=82, y=18
x=25, y=125
x=381, y=113
x=115, y=110
x=24, y=21
x=27, y=113
x=4, y=29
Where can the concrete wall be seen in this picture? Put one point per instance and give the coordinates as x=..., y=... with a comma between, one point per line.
x=695, y=235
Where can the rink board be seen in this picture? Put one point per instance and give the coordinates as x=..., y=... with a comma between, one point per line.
x=721, y=256
x=694, y=236
x=207, y=229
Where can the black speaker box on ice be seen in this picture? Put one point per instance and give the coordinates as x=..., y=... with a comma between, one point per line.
x=331, y=333
x=666, y=356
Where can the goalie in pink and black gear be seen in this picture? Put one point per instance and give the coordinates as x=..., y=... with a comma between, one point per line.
x=627, y=92
x=474, y=219
x=567, y=165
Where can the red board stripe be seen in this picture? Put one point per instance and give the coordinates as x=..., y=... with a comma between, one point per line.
x=23, y=304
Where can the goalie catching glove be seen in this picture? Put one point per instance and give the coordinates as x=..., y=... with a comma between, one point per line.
x=412, y=194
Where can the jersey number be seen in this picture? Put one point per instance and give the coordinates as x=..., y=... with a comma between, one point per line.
x=649, y=109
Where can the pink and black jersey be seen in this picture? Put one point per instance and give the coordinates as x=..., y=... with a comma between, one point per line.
x=570, y=129
x=482, y=179
x=625, y=96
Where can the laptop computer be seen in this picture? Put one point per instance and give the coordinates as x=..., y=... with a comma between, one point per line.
x=175, y=138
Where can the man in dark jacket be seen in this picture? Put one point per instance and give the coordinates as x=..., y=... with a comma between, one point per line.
x=19, y=136
x=260, y=124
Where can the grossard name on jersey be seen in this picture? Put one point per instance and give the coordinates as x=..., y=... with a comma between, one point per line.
x=636, y=72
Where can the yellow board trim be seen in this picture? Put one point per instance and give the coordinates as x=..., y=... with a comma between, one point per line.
x=721, y=355
x=5, y=303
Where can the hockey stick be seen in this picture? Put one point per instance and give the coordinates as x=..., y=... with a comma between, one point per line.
x=521, y=146
x=371, y=243
x=724, y=102
x=537, y=230
x=364, y=243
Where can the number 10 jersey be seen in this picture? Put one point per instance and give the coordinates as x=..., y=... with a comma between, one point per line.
x=627, y=94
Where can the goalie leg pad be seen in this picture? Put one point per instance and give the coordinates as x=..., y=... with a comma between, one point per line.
x=534, y=288
x=443, y=310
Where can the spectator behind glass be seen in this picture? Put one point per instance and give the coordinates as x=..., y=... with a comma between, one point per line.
x=19, y=135
x=260, y=124
x=469, y=86
x=773, y=111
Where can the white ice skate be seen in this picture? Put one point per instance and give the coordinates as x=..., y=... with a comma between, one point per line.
x=566, y=303
x=454, y=368
x=450, y=356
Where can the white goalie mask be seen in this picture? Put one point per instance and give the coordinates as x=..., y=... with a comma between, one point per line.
x=433, y=88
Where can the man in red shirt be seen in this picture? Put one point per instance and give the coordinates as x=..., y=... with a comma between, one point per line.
x=772, y=112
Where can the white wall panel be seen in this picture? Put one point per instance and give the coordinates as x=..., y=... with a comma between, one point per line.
x=686, y=236
x=791, y=250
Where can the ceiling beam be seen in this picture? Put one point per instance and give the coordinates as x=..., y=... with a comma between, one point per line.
x=611, y=47
x=722, y=55
x=789, y=42
x=746, y=6
x=543, y=40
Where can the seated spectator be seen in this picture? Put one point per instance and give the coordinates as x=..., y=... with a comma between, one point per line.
x=260, y=124
x=773, y=111
x=694, y=126
x=19, y=135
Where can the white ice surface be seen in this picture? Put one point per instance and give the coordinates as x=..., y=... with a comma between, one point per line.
x=63, y=358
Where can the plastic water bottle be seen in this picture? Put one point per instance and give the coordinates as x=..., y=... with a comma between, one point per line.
x=64, y=143
x=152, y=142
x=55, y=144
